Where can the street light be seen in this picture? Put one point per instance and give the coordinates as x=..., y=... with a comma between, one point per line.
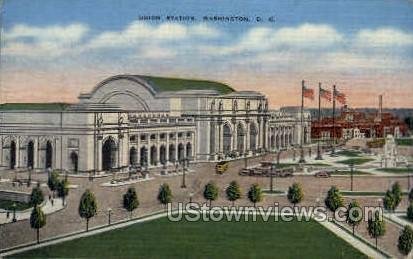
x=183, y=162
x=109, y=214
x=191, y=194
x=271, y=177
x=351, y=175
x=14, y=212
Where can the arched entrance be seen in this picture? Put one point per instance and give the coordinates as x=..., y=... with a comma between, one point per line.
x=227, y=138
x=133, y=156
x=181, y=152
x=49, y=155
x=109, y=154
x=162, y=154
x=144, y=156
x=171, y=154
x=12, y=154
x=74, y=159
x=153, y=155
x=253, y=136
x=240, y=138
x=188, y=150
x=30, y=154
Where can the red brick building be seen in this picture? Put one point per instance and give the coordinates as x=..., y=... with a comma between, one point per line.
x=355, y=124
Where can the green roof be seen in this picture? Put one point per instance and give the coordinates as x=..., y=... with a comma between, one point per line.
x=162, y=84
x=33, y=106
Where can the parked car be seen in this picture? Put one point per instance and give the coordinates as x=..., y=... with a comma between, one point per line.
x=323, y=174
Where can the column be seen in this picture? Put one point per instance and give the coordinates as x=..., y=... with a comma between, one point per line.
x=17, y=152
x=176, y=146
x=247, y=138
x=235, y=137
x=99, y=154
x=221, y=137
x=167, y=148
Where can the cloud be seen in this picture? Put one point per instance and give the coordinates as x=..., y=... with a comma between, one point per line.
x=138, y=32
x=304, y=36
x=32, y=41
x=383, y=37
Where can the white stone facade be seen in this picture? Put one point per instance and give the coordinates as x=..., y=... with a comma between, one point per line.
x=127, y=120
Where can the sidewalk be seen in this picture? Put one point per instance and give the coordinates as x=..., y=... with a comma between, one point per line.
x=370, y=252
x=25, y=214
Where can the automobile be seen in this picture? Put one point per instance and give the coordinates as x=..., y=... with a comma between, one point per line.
x=221, y=167
x=322, y=174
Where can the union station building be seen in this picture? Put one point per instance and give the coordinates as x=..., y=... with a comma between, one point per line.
x=149, y=121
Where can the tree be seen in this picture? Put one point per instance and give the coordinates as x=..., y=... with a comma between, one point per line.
x=63, y=189
x=376, y=226
x=334, y=200
x=255, y=194
x=353, y=214
x=295, y=194
x=389, y=202
x=130, y=200
x=87, y=206
x=397, y=193
x=165, y=194
x=37, y=220
x=410, y=212
x=53, y=181
x=405, y=240
x=392, y=197
x=210, y=192
x=36, y=197
x=233, y=192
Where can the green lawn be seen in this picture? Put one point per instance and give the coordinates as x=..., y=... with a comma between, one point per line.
x=355, y=172
x=318, y=164
x=164, y=239
x=8, y=205
x=355, y=161
x=349, y=153
x=404, y=141
x=395, y=170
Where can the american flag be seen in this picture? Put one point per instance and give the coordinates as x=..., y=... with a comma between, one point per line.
x=308, y=93
x=325, y=94
x=341, y=98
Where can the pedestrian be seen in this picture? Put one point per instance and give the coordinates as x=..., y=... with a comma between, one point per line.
x=52, y=201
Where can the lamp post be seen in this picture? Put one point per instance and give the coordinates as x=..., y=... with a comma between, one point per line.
x=351, y=175
x=191, y=194
x=109, y=214
x=271, y=177
x=14, y=212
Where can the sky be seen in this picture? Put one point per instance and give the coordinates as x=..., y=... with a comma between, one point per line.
x=52, y=50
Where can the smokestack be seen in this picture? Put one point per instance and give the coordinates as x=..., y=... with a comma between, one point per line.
x=380, y=106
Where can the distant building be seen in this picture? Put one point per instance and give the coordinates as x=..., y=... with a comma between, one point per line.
x=355, y=124
x=133, y=119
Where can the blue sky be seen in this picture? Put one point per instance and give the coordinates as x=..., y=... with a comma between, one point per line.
x=365, y=47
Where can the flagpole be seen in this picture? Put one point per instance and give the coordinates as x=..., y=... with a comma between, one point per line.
x=302, y=160
x=333, y=151
x=319, y=157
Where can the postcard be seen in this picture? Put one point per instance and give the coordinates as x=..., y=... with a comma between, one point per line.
x=206, y=129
